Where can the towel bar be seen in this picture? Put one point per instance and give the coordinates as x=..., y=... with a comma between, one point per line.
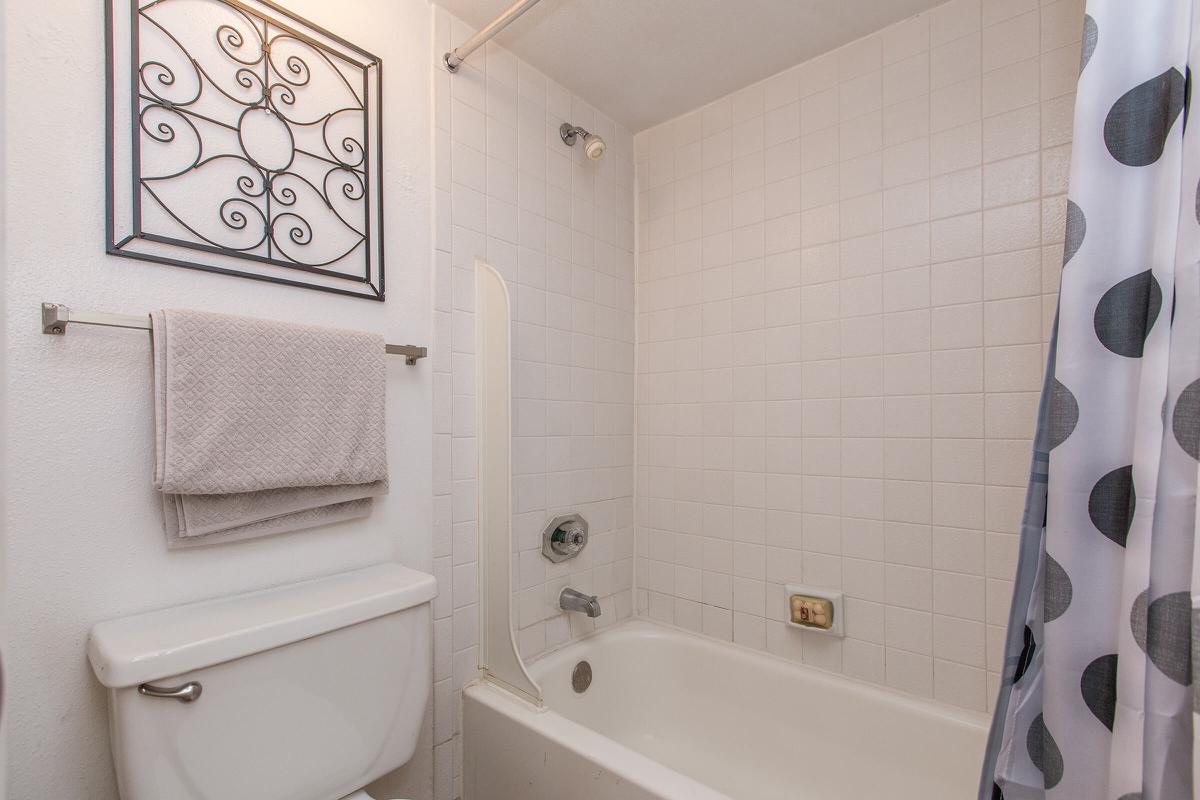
x=56, y=317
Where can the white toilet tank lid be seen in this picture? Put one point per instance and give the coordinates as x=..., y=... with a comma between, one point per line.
x=134, y=650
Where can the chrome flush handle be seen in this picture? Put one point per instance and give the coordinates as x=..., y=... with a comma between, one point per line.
x=186, y=693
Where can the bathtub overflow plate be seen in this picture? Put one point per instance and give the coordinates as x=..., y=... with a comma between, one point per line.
x=581, y=677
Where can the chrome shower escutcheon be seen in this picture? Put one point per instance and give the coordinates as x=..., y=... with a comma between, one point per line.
x=564, y=537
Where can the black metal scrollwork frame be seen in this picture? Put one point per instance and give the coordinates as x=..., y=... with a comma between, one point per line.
x=239, y=162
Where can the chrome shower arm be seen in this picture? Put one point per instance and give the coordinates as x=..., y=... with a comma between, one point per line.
x=569, y=132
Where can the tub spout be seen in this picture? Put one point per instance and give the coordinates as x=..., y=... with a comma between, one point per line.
x=571, y=600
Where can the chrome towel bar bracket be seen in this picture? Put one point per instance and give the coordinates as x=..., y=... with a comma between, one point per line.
x=56, y=317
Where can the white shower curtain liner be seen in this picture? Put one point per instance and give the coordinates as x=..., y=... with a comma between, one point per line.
x=1096, y=700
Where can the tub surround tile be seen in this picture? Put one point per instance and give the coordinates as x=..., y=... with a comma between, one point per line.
x=561, y=231
x=838, y=370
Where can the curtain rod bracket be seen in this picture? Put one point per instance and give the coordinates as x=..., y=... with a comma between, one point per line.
x=454, y=59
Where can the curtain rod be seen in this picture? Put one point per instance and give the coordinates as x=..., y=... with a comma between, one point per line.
x=56, y=317
x=455, y=57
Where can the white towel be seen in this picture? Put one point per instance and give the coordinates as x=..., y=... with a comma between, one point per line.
x=264, y=427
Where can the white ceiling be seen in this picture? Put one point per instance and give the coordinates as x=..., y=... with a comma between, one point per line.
x=645, y=61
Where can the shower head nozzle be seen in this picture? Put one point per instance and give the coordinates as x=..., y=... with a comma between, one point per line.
x=593, y=145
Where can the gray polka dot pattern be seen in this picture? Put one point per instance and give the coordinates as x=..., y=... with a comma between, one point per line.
x=1091, y=37
x=1058, y=590
x=1185, y=421
x=1076, y=231
x=1138, y=124
x=1099, y=688
x=1097, y=694
x=1112, y=503
x=1187, y=96
x=1195, y=658
x=1044, y=752
x=1064, y=413
x=1127, y=312
x=1163, y=630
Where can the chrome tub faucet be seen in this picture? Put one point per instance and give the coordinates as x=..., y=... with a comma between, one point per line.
x=571, y=600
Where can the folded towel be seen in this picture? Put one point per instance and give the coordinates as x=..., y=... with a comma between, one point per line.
x=264, y=427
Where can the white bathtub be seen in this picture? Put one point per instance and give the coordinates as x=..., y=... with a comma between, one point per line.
x=676, y=716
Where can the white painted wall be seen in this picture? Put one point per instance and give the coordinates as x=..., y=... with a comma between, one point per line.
x=3, y=448
x=84, y=526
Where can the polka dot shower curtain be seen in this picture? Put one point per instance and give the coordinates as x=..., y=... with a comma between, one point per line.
x=1096, y=697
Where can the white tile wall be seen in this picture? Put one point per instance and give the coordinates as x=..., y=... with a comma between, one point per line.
x=560, y=229
x=846, y=278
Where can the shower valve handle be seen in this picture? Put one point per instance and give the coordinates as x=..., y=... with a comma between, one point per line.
x=564, y=537
x=569, y=539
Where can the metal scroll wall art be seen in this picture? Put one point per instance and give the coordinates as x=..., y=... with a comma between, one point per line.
x=246, y=141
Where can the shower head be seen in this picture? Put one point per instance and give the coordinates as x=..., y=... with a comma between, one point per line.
x=593, y=145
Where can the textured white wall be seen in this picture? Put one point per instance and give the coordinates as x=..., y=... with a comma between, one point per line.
x=85, y=540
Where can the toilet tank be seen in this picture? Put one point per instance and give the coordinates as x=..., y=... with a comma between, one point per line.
x=308, y=691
